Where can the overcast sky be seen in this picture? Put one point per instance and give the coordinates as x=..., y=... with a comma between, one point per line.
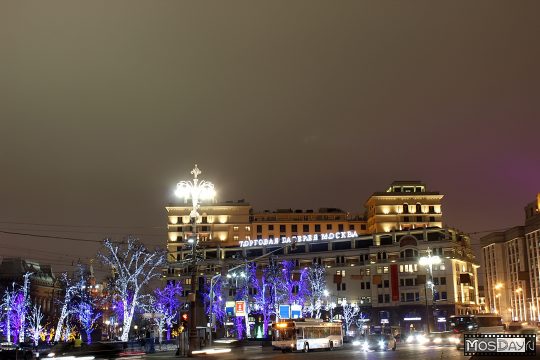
x=105, y=106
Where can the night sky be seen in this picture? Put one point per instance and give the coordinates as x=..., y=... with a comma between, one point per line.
x=105, y=106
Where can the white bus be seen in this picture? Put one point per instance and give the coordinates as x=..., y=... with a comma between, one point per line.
x=475, y=324
x=306, y=334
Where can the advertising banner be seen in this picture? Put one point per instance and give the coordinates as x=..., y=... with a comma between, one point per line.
x=394, y=282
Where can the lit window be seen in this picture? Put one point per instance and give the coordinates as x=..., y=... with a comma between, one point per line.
x=235, y=228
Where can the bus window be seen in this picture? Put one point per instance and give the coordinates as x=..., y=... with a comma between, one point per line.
x=299, y=334
x=489, y=321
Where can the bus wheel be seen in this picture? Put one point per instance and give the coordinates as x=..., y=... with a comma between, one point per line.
x=331, y=347
x=306, y=347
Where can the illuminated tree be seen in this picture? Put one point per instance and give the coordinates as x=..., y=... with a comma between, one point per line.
x=265, y=284
x=217, y=311
x=133, y=266
x=294, y=285
x=7, y=311
x=316, y=279
x=70, y=289
x=167, y=302
x=87, y=318
x=350, y=311
x=35, y=328
x=22, y=306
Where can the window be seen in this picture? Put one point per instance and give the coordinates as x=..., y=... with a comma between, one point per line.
x=235, y=228
x=235, y=237
x=431, y=210
x=406, y=209
x=340, y=227
x=187, y=281
x=443, y=280
x=363, y=227
x=406, y=219
x=368, y=285
x=409, y=297
x=341, y=287
x=385, y=269
x=328, y=226
x=362, y=286
x=248, y=228
x=282, y=228
x=435, y=281
x=409, y=282
x=379, y=269
x=271, y=227
x=401, y=282
x=294, y=228
x=380, y=298
x=418, y=208
x=419, y=218
x=305, y=228
x=408, y=268
x=259, y=228
x=386, y=283
x=443, y=295
x=351, y=227
x=386, y=298
x=317, y=228
x=340, y=272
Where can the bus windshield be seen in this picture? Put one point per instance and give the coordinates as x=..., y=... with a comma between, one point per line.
x=283, y=334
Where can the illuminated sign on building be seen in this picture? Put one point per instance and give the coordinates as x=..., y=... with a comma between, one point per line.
x=299, y=239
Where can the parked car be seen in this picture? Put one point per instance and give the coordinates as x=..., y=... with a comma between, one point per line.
x=13, y=351
x=379, y=342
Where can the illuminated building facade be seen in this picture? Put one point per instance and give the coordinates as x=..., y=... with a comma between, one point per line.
x=512, y=267
x=404, y=205
x=376, y=270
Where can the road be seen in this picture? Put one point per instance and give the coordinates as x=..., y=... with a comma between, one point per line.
x=403, y=352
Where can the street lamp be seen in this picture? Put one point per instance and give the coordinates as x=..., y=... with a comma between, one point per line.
x=196, y=190
x=429, y=261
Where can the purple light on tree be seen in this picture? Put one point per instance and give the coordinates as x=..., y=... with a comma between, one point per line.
x=295, y=283
x=167, y=304
x=262, y=281
x=218, y=303
x=87, y=317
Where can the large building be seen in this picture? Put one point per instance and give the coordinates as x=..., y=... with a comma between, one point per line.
x=404, y=205
x=512, y=267
x=44, y=287
x=371, y=261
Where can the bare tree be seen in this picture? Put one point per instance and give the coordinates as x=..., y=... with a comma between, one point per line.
x=317, y=285
x=70, y=288
x=35, y=328
x=350, y=311
x=133, y=267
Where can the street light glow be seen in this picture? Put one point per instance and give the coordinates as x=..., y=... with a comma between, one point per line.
x=429, y=260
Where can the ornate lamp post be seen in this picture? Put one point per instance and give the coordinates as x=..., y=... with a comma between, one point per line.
x=428, y=262
x=195, y=190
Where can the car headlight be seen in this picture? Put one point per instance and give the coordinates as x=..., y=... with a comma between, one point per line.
x=356, y=343
x=421, y=339
x=365, y=347
x=50, y=355
x=381, y=344
x=437, y=340
x=410, y=339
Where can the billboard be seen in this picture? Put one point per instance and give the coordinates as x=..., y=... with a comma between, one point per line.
x=240, y=308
